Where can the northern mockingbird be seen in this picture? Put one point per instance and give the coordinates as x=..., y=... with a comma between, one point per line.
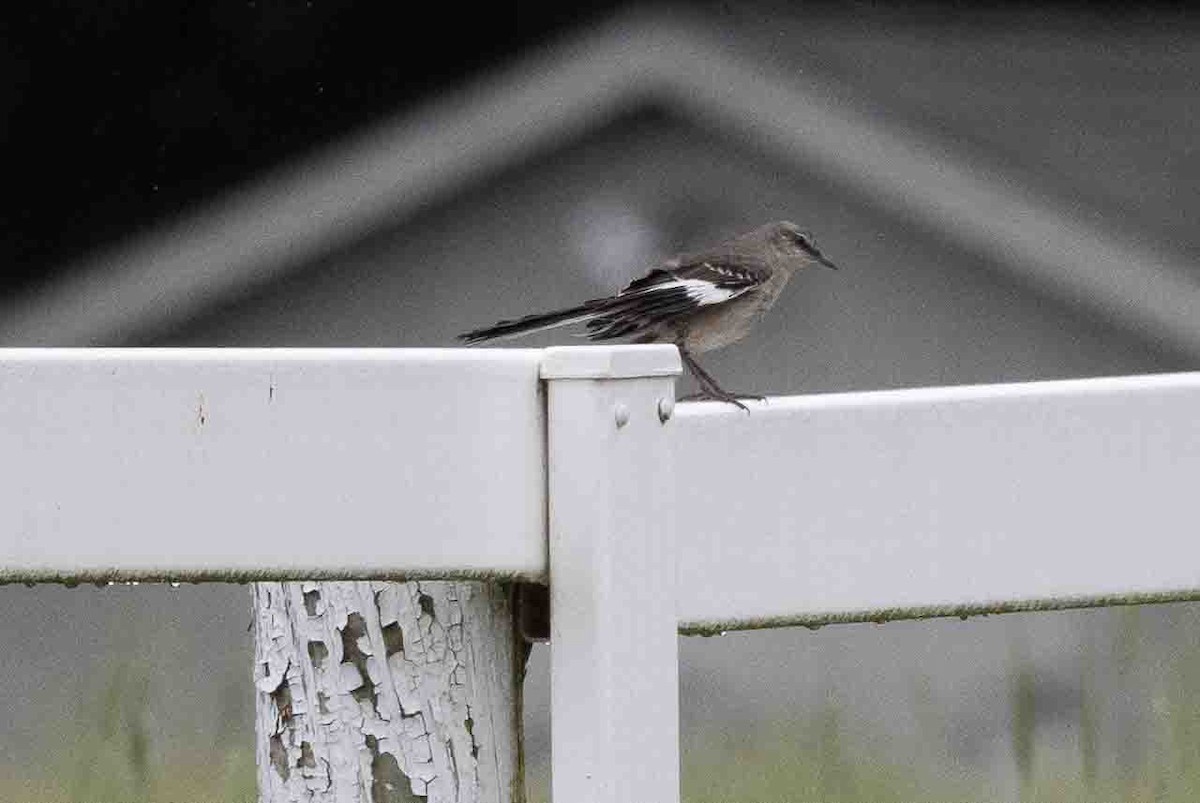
x=699, y=301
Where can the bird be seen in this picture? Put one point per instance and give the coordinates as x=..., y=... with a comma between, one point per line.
x=698, y=301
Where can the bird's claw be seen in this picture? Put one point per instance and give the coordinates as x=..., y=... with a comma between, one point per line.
x=728, y=398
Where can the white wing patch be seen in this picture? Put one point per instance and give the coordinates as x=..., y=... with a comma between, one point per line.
x=703, y=292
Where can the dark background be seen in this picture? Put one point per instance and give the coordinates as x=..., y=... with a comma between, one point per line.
x=121, y=113
x=118, y=114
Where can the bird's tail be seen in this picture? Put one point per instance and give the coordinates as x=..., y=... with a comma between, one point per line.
x=628, y=313
x=530, y=323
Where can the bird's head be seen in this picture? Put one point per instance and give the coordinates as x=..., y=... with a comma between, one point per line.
x=795, y=244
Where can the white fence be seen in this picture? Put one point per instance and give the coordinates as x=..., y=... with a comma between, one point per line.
x=650, y=517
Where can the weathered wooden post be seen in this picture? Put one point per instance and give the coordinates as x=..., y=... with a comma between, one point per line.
x=385, y=691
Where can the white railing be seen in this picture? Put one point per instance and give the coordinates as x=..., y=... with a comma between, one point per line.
x=844, y=507
x=221, y=463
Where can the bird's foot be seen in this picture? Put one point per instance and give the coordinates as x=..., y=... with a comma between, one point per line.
x=728, y=398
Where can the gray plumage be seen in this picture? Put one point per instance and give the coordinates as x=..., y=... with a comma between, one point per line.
x=699, y=301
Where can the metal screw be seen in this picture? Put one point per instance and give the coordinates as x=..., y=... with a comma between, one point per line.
x=666, y=409
x=621, y=414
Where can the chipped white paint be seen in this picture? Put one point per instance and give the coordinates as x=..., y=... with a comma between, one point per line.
x=374, y=692
x=613, y=641
x=144, y=463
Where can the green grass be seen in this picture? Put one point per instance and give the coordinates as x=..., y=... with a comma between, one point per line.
x=788, y=762
x=109, y=754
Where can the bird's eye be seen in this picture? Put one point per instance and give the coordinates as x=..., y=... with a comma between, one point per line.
x=804, y=240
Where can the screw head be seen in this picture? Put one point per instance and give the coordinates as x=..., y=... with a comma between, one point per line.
x=666, y=409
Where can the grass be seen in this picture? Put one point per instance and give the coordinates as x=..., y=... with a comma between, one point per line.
x=112, y=758
x=108, y=756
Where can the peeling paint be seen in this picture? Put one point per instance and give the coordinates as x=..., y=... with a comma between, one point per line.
x=394, y=692
x=388, y=783
x=393, y=639
x=279, y=758
x=469, y=724
x=312, y=598
x=306, y=756
x=317, y=653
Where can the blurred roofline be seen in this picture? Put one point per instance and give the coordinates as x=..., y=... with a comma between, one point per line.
x=393, y=170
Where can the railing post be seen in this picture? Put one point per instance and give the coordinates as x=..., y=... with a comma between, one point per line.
x=614, y=626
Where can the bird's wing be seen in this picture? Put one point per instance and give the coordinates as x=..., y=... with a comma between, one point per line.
x=708, y=281
x=665, y=294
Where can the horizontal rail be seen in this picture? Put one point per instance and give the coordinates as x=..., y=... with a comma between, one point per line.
x=938, y=501
x=243, y=463
x=246, y=463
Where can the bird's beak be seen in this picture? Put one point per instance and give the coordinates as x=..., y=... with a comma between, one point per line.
x=821, y=260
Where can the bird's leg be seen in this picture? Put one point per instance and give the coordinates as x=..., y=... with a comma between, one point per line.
x=709, y=389
x=708, y=385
